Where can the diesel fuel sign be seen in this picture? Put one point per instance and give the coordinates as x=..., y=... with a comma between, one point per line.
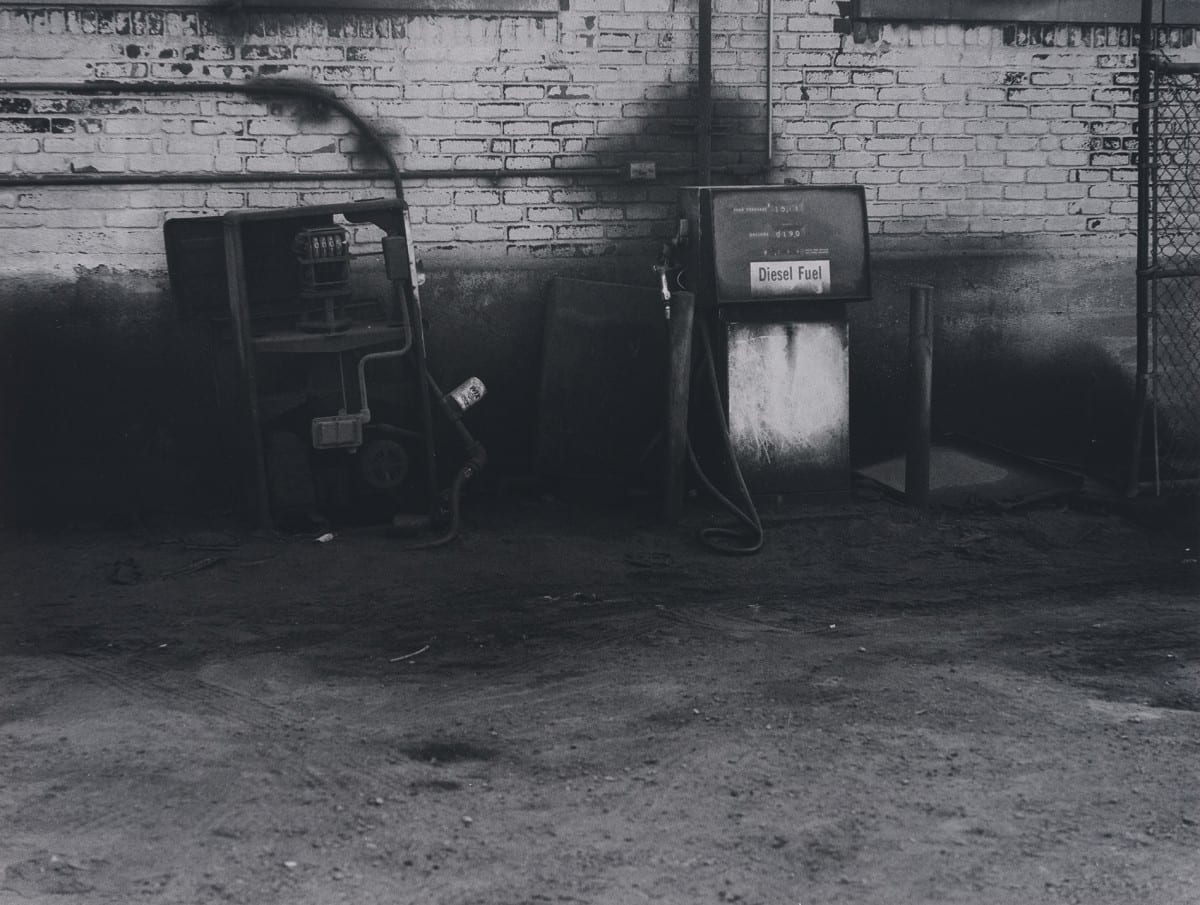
x=774, y=279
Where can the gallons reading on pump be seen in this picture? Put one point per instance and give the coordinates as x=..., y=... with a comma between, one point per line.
x=324, y=256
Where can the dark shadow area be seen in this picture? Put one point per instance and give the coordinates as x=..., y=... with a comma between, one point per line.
x=108, y=403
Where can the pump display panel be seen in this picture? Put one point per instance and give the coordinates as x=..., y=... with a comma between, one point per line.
x=776, y=243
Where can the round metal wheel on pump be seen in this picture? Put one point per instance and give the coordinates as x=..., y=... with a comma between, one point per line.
x=383, y=464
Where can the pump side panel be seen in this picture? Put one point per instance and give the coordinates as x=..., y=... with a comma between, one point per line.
x=789, y=404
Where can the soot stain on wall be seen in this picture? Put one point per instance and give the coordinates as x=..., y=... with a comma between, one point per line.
x=108, y=403
x=107, y=399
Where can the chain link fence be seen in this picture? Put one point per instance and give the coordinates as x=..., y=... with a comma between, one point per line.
x=1169, y=361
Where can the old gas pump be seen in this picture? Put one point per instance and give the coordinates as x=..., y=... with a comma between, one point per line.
x=772, y=268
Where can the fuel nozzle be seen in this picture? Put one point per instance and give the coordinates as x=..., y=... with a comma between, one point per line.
x=667, y=263
x=661, y=268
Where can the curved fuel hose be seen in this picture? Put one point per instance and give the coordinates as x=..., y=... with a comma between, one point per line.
x=476, y=460
x=477, y=457
x=747, y=538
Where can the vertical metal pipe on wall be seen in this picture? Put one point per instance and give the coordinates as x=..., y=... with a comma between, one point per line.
x=704, y=148
x=1145, y=148
x=920, y=393
x=769, y=151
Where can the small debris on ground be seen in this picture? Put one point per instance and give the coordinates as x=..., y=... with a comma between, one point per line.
x=125, y=571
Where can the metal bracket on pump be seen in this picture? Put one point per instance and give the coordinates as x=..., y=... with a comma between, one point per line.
x=668, y=267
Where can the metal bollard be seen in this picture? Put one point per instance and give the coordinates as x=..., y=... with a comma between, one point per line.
x=920, y=394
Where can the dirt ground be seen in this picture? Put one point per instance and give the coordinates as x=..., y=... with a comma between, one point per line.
x=575, y=704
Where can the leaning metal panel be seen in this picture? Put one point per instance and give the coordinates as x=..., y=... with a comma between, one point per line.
x=1171, y=359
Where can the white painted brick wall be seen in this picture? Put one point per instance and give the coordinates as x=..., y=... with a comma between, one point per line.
x=960, y=134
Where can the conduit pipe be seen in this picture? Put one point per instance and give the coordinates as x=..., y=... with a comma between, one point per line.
x=1144, y=258
x=704, y=99
x=770, y=152
x=61, y=180
x=920, y=395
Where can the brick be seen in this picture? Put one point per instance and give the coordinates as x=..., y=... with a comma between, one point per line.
x=480, y=232
x=896, y=127
x=964, y=208
x=941, y=192
x=573, y=127
x=476, y=127
x=875, y=177
x=550, y=214
x=272, y=127
x=500, y=111
x=897, y=161
x=325, y=163
x=448, y=214
x=271, y=164
x=526, y=127
x=69, y=145
x=903, y=226
x=950, y=224
x=499, y=214
x=985, y=159
x=910, y=94
x=897, y=192
x=579, y=231
x=1047, y=175
x=955, y=143
x=527, y=163
x=462, y=146
x=894, y=145
x=574, y=196
x=1024, y=192
x=134, y=219
x=854, y=94
x=524, y=92
x=1028, y=127
x=876, y=111
x=540, y=233
x=942, y=159
x=855, y=127
x=1003, y=174
x=944, y=93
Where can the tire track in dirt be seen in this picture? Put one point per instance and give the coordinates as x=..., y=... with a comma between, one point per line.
x=154, y=684
x=272, y=740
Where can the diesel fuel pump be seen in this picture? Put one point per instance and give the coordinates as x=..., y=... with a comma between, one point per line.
x=771, y=268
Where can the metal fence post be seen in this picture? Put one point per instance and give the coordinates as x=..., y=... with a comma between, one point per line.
x=920, y=394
